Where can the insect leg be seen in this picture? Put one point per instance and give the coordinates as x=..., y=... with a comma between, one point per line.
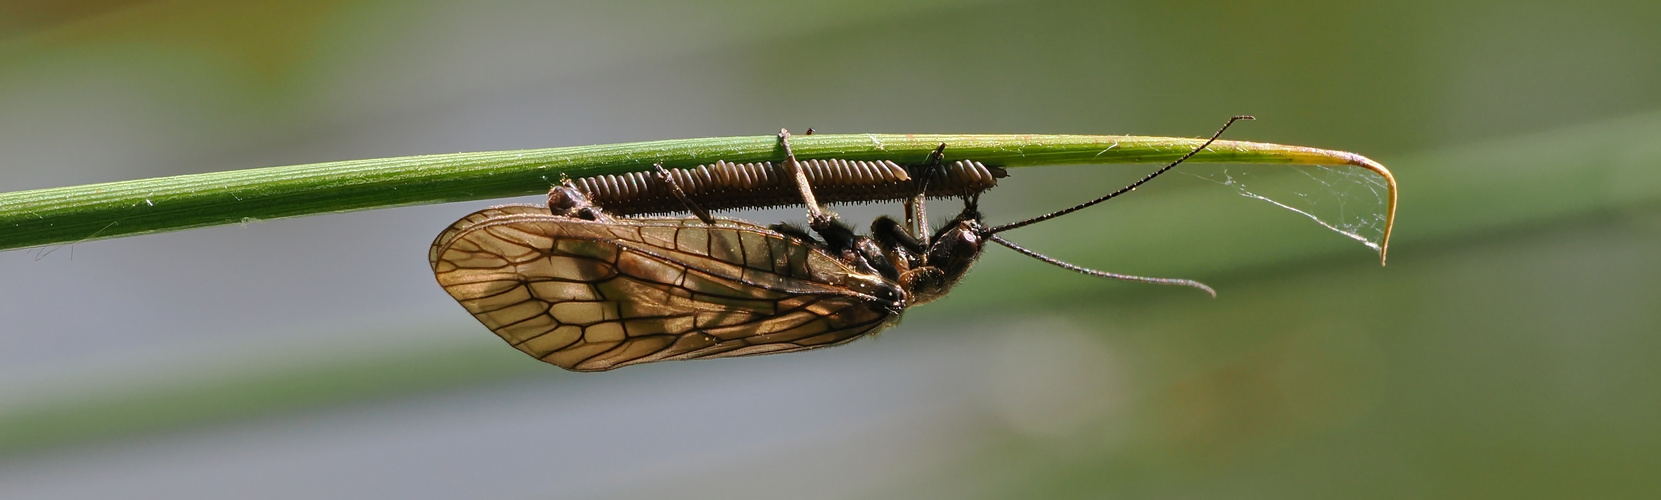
x=675, y=188
x=796, y=232
x=896, y=248
x=816, y=216
x=888, y=231
x=840, y=238
x=917, y=216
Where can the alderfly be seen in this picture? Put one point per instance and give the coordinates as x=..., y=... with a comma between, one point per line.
x=577, y=287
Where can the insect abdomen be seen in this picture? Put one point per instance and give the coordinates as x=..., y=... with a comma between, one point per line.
x=724, y=185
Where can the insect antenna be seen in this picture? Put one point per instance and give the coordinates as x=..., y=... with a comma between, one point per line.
x=1102, y=274
x=1122, y=190
x=991, y=233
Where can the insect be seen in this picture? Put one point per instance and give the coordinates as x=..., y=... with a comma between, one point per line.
x=573, y=286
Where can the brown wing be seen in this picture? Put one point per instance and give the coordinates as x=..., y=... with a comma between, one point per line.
x=592, y=296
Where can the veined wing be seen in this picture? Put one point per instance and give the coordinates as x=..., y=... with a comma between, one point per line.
x=592, y=296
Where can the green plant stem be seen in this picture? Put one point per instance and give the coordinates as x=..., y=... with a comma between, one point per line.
x=97, y=211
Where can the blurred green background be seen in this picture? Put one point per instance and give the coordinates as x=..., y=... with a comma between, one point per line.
x=1507, y=351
